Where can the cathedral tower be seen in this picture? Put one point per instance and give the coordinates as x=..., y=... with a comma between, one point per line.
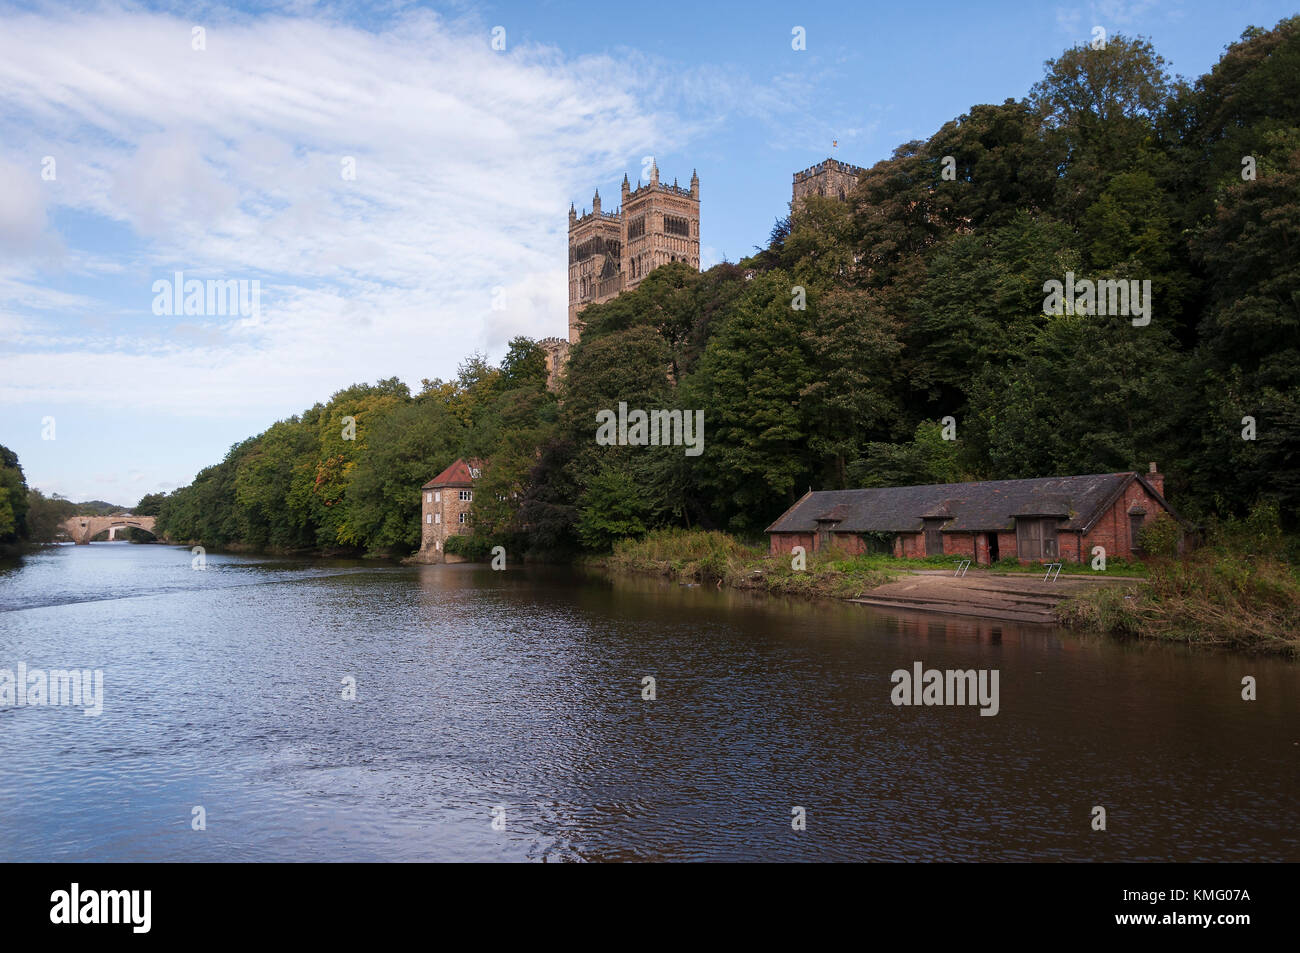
x=610, y=252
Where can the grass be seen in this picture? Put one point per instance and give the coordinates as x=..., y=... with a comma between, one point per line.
x=883, y=562
x=713, y=557
x=1216, y=596
x=1115, y=566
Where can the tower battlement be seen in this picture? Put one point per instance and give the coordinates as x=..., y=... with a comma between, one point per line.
x=830, y=178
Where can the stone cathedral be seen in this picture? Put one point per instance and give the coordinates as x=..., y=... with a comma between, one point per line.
x=610, y=252
x=655, y=223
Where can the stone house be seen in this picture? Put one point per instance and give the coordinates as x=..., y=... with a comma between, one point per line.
x=1052, y=519
x=445, y=508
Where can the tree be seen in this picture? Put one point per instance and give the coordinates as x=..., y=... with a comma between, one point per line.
x=611, y=509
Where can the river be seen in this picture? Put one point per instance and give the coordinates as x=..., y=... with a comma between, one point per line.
x=500, y=716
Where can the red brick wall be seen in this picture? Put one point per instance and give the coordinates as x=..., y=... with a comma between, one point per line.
x=1006, y=545
x=1112, y=530
x=786, y=542
x=851, y=543
x=959, y=544
x=912, y=546
x=1067, y=545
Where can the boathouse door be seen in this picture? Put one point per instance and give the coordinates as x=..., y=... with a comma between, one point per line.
x=934, y=537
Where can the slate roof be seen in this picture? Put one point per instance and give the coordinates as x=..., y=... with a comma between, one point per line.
x=989, y=506
x=461, y=473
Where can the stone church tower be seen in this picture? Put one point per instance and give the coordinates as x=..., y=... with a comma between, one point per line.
x=830, y=178
x=610, y=252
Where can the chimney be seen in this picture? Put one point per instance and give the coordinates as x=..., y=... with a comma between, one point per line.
x=1156, y=478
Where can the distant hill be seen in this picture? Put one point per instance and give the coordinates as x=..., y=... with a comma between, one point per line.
x=98, y=508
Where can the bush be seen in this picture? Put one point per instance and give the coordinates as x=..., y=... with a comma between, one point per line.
x=1258, y=534
x=474, y=548
x=1161, y=536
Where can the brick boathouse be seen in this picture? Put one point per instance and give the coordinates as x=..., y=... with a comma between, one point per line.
x=1049, y=519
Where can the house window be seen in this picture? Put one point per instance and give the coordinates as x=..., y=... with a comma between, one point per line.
x=437, y=517
x=1135, y=521
x=462, y=517
x=437, y=496
x=428, y=517
x=466, y=496
x=428, y=497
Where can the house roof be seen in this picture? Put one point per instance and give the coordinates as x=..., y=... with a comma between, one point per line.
x=988, y=506
x=461, y=473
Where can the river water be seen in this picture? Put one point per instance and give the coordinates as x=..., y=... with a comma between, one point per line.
x=500, y=716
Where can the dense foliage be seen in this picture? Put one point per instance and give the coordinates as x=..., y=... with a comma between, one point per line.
x=923, y=299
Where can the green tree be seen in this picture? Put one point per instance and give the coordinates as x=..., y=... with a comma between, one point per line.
x=611, y=509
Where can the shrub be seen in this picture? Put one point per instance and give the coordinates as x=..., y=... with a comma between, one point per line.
x=1161, y=536
x=474, y=548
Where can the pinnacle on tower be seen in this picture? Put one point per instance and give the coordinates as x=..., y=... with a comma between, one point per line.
x=595, y=202
x=654, y=172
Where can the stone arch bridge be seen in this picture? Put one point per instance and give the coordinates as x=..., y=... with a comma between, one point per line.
x=83, y=529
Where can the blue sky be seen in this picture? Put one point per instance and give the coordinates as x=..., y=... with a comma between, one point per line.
x=227, y=163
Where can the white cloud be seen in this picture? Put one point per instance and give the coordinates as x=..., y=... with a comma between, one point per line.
x=226, y=163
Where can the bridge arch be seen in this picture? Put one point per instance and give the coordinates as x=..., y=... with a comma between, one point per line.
x=82, y=529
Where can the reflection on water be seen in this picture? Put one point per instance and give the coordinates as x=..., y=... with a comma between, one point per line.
x=521, y=691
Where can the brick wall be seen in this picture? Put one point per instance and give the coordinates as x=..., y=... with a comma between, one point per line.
x=779, y=543
x=959, y=544
x=1006, y=545
x=1112, y=531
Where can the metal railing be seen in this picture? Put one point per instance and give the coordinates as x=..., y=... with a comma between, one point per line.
x=1053, y=572
x=962, y=567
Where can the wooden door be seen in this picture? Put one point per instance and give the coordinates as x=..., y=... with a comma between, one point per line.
x=1029, y=539
x=933, y=538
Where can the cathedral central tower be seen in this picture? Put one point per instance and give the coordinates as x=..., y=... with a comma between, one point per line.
x=610, y=252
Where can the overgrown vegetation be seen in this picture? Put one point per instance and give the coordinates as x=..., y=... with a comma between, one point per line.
x=715, y=558
x=1239, y=590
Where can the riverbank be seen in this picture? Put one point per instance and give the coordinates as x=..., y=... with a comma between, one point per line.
x=1212, y=598
x=1247, y=603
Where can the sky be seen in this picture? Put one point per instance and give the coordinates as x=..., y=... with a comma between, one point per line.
x=396, y=178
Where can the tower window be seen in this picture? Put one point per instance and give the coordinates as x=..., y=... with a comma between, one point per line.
x=675, y=225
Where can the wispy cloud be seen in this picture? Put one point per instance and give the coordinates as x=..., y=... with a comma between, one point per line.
x=234, y=161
